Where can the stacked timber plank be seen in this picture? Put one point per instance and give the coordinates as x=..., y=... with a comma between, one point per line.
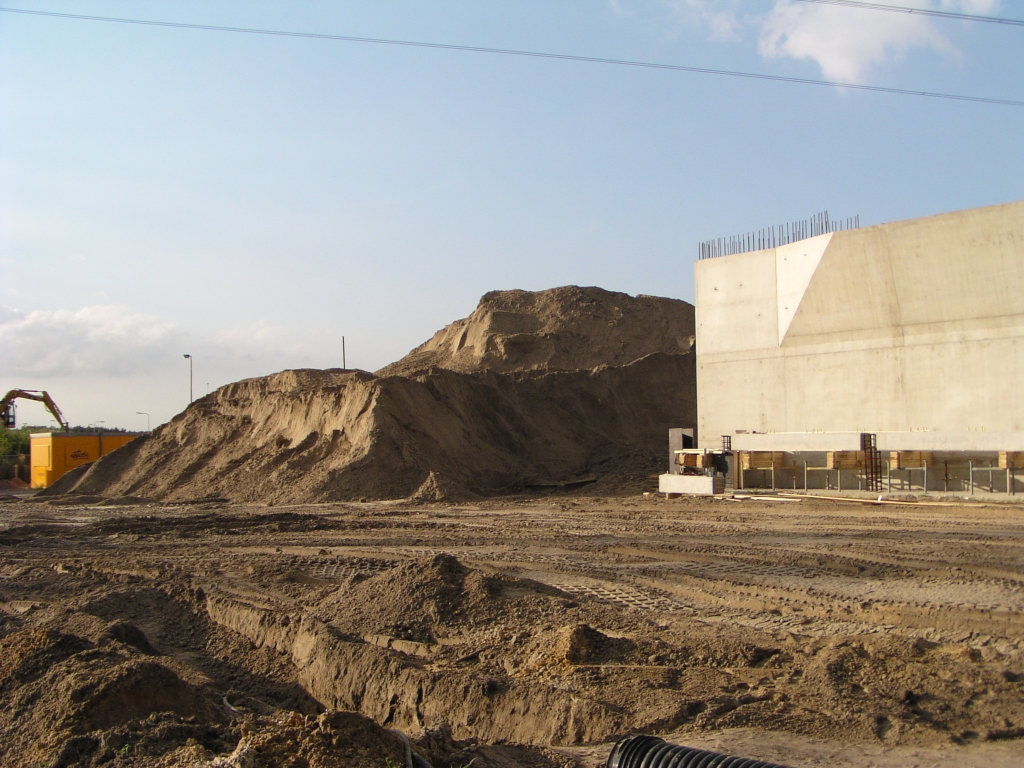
x=762, y=460
x=695, y=460
x=1011, y=459
x=909, y=459
x=844, y=460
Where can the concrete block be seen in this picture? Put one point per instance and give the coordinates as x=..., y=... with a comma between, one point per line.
x=691, y=485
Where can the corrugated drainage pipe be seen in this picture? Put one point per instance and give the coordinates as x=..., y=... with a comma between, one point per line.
x=638, y=751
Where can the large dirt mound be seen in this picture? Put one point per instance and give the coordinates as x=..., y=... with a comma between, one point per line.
x=567, y=328
x=590, y=390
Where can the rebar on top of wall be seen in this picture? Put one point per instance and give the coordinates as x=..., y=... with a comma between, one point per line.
x=772, y=237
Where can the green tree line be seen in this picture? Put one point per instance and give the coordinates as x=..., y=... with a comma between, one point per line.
x=14, y=441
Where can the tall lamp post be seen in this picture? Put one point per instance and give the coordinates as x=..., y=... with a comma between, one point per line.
x=143, y=413
x=95, y=423
x=189, y=358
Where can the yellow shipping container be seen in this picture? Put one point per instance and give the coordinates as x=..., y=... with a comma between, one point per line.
x=54, y=453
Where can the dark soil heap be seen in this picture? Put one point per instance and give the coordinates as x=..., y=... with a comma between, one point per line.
x=532, y=389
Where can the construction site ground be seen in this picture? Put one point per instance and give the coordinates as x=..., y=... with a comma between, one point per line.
x=522, y=631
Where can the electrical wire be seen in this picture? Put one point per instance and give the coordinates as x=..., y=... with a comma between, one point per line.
x=919, y=11
x=529, y=54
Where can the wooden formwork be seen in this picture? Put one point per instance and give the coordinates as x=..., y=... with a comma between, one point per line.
x=1011, y=459
x=762, y=460
x=844, y=460
x=910, y=459
x=695, y=460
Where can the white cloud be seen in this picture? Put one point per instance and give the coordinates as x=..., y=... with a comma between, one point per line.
x=719, y=16
x=618, y=8
x=97, y=339
x=108, y=362
x=111, y=340
x=979, y=7
x=847, y=42
x=259, y=331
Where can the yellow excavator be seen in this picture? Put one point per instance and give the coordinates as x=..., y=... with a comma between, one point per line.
x=7, y=406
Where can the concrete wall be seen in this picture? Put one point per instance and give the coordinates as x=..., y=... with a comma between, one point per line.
x=914, y=326
x=950, y=473
x=800, y=442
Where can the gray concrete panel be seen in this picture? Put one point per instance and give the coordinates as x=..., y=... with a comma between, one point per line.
x=906, y=327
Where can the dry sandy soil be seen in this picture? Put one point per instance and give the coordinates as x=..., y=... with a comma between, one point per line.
x=532, y=389
x=529, y=631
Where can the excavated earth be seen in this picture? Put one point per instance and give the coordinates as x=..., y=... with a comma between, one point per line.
x=533, y=389
x=299, y=569
x=525, y=631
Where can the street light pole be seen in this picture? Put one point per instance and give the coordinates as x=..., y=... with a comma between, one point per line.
x=143, y=413
x=189, y=358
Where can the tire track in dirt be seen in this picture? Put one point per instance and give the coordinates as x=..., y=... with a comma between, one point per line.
x=813, y=618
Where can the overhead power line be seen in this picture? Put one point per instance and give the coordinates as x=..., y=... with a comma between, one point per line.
x=530, y=54
x=919, y=11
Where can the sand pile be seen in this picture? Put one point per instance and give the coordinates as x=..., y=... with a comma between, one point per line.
x=531, y=389
x=562, y=329
x=414, y=602
x=68, y=701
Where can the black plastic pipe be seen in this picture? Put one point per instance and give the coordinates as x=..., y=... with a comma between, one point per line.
x=639, y=751
x=412, y=758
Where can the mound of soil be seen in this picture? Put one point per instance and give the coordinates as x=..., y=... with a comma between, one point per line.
x=332, y=740
x=533, y=389
x=416, y=601
x=568, y=328
x=64, y=698
x=582, y=644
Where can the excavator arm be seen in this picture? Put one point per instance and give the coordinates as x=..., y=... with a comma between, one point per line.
x=7, y=406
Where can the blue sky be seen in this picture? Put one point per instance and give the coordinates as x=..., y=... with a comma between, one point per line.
x=251, y=199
